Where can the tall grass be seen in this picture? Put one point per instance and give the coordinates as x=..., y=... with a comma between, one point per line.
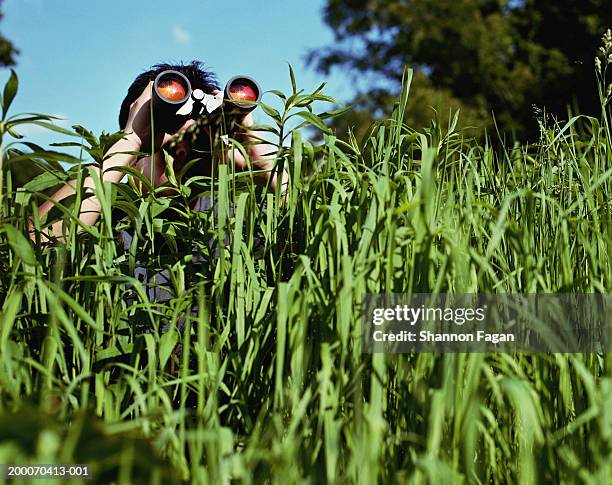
x=253, y=370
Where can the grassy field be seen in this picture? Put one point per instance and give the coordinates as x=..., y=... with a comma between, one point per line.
x=253, y=370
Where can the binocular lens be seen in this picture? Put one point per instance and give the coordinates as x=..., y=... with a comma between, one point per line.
x=241, y=91
x=171, y=89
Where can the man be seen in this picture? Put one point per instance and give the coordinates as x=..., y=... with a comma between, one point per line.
x=135, y=121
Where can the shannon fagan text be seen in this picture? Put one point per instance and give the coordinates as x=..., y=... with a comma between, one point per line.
x=427, y=336
x=412, y=315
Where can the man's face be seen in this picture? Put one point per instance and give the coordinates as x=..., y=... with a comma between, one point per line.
x=183, y=151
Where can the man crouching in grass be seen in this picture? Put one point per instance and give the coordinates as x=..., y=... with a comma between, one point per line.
x=135, y=121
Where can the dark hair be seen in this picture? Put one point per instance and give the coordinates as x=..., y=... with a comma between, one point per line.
x=198, y=77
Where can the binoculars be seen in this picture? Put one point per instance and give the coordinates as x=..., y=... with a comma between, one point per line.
x=174, y=100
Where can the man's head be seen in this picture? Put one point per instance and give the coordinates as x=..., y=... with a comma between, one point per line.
x=198, y=77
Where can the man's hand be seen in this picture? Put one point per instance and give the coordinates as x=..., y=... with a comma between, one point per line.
x=139, y=123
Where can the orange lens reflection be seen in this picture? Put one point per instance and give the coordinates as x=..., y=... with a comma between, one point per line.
x=242, y=92
x=171, y=89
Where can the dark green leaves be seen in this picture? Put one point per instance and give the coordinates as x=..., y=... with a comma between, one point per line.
x=19, y=244
x=312, y=119
x=10, y=90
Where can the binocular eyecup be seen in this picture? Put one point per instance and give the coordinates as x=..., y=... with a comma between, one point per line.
x=174, y=100
x=242, y=92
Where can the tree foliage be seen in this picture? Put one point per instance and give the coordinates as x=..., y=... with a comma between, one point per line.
x=7, y=49
x=500, y=56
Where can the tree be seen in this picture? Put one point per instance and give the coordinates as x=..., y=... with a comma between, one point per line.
x=483, y=56
x=7, y=50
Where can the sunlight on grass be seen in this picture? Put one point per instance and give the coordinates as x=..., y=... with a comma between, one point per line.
x=253, y=369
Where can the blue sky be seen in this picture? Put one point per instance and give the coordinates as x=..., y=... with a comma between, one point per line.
x=77, y=58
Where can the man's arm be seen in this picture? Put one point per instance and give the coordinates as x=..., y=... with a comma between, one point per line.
x=139, y=136
x=90, y=207
x=262, y=157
